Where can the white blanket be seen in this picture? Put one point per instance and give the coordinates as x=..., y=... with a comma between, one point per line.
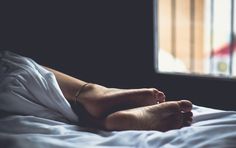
x=34, y=113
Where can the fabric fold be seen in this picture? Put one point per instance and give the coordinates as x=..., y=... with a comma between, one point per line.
x=27, y=88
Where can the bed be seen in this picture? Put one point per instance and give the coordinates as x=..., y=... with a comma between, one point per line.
x=34, y=113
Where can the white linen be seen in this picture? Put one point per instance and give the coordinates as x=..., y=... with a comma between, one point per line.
x=34, y=113
x=29, y=89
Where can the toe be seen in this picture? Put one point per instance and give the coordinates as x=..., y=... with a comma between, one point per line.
x=185, y=105
x=187, y=118
x=146, y=96
x=186, y=123
x=160, y=96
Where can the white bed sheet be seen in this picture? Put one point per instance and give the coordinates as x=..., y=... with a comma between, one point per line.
x=34, y=113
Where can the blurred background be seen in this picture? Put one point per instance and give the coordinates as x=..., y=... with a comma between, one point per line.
x=199, y=35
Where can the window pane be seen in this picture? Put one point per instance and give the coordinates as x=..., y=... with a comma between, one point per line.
x=196, y=37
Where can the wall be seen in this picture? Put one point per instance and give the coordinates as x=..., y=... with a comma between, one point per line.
x=105, y=42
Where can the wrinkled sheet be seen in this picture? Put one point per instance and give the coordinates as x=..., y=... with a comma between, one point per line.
x=35, y=114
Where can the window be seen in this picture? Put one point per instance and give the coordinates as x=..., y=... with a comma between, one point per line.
x=195, y=37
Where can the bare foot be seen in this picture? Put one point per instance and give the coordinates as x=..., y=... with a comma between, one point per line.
x=100, y=101
x=161, y=117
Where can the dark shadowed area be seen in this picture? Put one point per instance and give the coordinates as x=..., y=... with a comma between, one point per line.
x=102, y=41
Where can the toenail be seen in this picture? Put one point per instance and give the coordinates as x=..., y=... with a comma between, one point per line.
x=155, y=93
x=161, y=95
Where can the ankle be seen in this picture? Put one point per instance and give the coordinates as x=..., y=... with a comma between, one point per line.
x=82, y=94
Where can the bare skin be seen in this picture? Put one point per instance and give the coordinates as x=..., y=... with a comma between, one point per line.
x=144, y=113
x=161, y=117
x=100, y=101
x=124, y=109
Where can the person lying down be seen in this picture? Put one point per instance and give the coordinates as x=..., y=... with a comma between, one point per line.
x=95, y=106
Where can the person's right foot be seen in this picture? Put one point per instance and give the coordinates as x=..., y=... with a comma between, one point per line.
x=162, y=117
x=99, y=101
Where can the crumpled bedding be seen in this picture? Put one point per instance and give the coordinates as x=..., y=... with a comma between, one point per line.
x=35, y=114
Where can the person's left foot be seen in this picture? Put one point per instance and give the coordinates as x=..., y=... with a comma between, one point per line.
x=100, y=101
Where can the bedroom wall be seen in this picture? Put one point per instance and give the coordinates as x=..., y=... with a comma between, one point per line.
x=105, y=42
x=99, y=41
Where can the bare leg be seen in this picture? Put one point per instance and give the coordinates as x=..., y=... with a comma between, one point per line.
x=100, y=101
x=109, y=108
